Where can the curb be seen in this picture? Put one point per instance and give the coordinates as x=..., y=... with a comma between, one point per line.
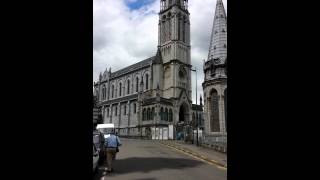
x=196, y=155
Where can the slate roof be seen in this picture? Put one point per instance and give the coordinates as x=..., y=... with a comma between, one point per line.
x=134, y=67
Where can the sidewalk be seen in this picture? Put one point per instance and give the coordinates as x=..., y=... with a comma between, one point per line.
x=200, y=152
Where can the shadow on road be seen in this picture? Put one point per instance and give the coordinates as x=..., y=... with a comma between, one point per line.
x=147, y=164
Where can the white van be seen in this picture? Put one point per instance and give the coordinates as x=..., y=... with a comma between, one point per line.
x=105, y=129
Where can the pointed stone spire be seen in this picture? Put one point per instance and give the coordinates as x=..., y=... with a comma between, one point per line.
x=218, y=41
x=158, y=57
x=100, y=76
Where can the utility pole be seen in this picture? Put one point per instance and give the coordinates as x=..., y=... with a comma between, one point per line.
x=197, y=123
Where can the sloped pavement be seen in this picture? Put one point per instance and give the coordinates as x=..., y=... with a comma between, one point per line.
x=203, y=153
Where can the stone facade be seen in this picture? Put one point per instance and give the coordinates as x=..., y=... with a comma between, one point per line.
x=149, y=97
x=215, y=83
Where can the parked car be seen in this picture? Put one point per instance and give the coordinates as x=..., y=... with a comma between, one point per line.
x=95, y=158
x=98, y=140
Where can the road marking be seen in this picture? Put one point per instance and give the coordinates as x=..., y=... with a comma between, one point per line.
x=214, y=163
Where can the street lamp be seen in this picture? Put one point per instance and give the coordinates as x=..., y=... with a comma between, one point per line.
x=195, y=70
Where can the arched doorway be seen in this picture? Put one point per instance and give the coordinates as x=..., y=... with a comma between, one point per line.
x=183, y=122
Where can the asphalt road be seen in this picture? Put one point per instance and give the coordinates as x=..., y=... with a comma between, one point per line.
x=149, y=160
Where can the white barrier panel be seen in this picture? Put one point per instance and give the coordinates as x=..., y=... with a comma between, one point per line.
x=160, y=134
x=153, y=133
x=170, y=131
x=165, y=134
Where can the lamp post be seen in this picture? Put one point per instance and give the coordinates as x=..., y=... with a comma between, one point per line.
x=195, y=70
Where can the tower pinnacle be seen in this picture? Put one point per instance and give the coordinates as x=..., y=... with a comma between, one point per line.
x=218, y=41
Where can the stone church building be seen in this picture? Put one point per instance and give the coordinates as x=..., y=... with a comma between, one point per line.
x=152, y=98
x=215, y=82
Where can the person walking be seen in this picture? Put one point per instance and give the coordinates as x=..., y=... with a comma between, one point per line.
x=112, y=143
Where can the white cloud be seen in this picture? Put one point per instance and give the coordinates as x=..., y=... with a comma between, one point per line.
x=122, y=37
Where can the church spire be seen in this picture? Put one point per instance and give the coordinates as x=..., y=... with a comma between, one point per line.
x=218, y=41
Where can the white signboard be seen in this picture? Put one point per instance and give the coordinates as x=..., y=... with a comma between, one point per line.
x=153, y=133
x=160, y=134
x=170, y=131
x=165, y=133
x=157, y=133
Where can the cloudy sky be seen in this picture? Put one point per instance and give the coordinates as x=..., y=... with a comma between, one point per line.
x=126, y=32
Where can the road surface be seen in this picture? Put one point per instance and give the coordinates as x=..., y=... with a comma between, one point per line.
x=149, y=160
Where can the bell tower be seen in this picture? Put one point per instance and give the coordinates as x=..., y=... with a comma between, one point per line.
x=174, y=44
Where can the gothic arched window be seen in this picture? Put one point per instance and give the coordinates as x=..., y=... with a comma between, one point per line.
x=147, y=81
x=170, y=115
x=166, y=115
x=112, y=91
x=161, y=113
x=128, y=87
x=103, y=92
x=137, y=84
x=179, y=27
x=184, y=29
x=120, y=88
x=214, y=116
x=143, y=114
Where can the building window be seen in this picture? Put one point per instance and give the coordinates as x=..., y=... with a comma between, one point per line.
x=125, y=109
x=128, y=88
x=216, y=32
x=112, y=91
x=107, y=112
x=161, y=114
x=148, y=114
x=134, y=108
x=214, y=116
x=223, y=30
x=214, y=47
x=179, y=27
x=184, y=30
x=137, y=84
x=170, y=115
x=225, y=46
x=166, y=115
x=152, y=114
x=120, y=88
x=147, y=81
x=116, y=112
x=144, y=114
